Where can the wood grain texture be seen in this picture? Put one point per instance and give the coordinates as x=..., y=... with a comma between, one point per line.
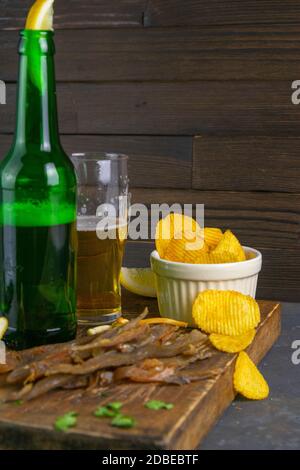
x=233, y=12
x=154, y=161
x=219, y=108
x=77, y=14
x=31, y=424
x=173, y=54
x=260, y=219
x=123, y=13
x=279, y=277
x=280, y=274
x=247, y=163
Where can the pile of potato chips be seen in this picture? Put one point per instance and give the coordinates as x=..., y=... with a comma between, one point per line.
x=179, y=238
x=230, y=318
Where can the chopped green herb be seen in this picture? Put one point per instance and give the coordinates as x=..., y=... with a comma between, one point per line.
x=69, y=420
x=115, y=405
x=18, y=402
x=158, y=405
x=112, y=410
x=121, y=421
x=104, y=412
x=109, y=411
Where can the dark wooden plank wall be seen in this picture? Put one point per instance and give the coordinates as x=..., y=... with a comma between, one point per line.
x=198, y=93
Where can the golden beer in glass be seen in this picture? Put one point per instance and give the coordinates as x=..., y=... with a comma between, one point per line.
x=102, y=232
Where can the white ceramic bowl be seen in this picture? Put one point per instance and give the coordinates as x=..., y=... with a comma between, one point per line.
x=179, y=283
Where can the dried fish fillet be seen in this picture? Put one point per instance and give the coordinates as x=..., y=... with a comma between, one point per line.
x=135, y=352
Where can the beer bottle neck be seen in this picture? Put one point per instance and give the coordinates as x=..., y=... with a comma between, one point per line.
x=37, y=123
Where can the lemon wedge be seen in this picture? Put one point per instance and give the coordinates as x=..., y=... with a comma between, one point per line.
x=3, y=326
x=140, y=281
x=40, y=16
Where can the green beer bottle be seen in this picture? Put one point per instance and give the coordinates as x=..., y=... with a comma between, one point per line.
x=37, y=210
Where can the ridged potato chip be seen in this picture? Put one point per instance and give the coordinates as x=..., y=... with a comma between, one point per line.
x=225, y=312
x=232, y=344
x=229, y=248
x=211, y=258
x=169, y=226
x=212, y=236
x=203, y=258
x=185, y=247
x=247, y=380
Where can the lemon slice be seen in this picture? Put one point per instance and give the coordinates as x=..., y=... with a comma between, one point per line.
x=140, y=281
x=3, y=326
x=40, y=16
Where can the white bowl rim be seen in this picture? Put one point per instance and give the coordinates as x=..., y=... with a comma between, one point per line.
x=208, y=272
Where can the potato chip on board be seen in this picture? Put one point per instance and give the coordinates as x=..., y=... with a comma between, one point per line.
x=212, y=236
x=232, y=344
x=229, y=248
x=225, y=312
x=247, y=379
x=169, y=226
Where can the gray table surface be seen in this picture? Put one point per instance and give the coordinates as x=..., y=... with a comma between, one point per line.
x=273, y=423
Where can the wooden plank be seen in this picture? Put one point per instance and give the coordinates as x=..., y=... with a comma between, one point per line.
x=185, y=54
x=76, y=14
x=31, y=425
x=261, y=220
x=219, y=108
x=119, y=13
x=280, y=275
x=278, y=279
x=213, y=12
x=246, y=163
x=154, y=162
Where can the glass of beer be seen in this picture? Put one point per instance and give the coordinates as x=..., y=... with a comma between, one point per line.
x=102, y=219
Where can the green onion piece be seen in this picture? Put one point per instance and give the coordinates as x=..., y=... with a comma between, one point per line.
x=158, y=405
x=69, y=420
x=121, y=421
x=104, y=412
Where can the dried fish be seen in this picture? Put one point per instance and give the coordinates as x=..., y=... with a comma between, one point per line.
x=115, y=335
x=124, y=337
x=45, y=385
x=162, y=370
x=113, y=359
x=35, y=370
x=134, y=351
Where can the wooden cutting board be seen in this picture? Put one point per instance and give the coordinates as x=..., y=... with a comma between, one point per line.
x=197, y=405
